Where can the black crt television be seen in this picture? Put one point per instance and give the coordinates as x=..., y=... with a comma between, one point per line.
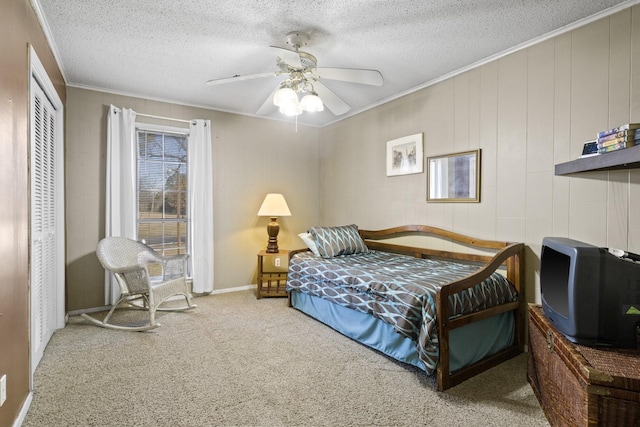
x=589, y=294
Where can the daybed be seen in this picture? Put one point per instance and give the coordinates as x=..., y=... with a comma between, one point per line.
x=442, y=310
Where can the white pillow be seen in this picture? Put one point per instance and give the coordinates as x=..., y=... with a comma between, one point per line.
x=307, y=238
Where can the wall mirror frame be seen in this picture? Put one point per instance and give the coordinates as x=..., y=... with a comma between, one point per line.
x=454, y=177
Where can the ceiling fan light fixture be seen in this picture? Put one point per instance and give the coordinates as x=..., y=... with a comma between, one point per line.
x=301, y=72
x=311, y=103
x=285, y=96
x=291, y=109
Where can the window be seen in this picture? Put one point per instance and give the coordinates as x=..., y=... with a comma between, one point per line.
x=162, y=217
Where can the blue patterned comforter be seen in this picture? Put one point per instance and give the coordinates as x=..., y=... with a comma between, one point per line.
x=397, y=289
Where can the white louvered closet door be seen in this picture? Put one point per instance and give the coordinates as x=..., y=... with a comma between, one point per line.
x=43, y=222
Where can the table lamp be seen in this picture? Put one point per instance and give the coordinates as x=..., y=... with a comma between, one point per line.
x=273, y=206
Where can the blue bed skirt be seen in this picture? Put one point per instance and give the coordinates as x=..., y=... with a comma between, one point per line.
x=467, y=344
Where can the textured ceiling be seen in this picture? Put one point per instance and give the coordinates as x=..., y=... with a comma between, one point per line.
x=169, y=49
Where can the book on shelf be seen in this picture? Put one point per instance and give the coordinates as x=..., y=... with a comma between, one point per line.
x=615, y=147
x=628, y=126
x=622, y=134
x=629, y=139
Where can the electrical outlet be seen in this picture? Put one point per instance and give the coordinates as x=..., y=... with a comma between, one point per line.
x=3, y=389
x=277, y=262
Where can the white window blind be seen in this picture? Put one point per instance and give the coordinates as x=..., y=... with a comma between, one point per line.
x=162, y=190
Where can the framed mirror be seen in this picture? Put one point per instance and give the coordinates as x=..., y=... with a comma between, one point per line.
x=454, y=177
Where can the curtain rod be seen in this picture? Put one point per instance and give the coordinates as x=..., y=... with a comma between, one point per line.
x=163, y=118
x=151, y=116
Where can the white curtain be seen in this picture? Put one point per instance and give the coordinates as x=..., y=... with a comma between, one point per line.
x=200, y=184
x=120, y=217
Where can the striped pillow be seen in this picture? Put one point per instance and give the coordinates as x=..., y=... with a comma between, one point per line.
x=339, y=240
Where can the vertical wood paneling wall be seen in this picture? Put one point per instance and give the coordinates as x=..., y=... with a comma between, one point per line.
x=527, y=111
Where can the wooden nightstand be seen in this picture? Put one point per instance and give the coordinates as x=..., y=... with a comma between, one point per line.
x=272, y=273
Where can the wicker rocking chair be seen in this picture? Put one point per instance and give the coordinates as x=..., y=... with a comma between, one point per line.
x=130, y=261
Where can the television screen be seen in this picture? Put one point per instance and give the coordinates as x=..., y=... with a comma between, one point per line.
x=556, y=277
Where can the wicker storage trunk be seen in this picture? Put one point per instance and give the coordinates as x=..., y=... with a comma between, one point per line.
x=578, y=385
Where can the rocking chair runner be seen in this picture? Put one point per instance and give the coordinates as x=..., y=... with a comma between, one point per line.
x=129, y=261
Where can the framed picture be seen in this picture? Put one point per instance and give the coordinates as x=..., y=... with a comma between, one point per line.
x=405, y=155
x=454, y=177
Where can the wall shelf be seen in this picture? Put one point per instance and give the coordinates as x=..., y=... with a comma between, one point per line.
x=628, y=158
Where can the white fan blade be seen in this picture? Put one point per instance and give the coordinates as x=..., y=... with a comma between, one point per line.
x=291, y=57
x=238, y=78
x=268, y=106
x=330, y=99
x=352, y=75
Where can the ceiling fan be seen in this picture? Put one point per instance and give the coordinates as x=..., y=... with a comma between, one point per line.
x=303, y=78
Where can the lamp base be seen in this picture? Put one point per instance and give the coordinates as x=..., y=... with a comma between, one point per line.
x=272, y=230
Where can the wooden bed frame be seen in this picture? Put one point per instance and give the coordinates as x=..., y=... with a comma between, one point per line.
x=509, y=255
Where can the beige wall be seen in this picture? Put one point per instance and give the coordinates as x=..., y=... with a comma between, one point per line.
x=252, y=157
x=18, y=28
x=527, y=111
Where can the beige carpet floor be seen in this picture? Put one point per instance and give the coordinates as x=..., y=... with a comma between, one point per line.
x=238, y=361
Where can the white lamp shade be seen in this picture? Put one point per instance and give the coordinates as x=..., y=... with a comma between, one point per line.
x=285, y=96
x=274, y=205
x=311, y=103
